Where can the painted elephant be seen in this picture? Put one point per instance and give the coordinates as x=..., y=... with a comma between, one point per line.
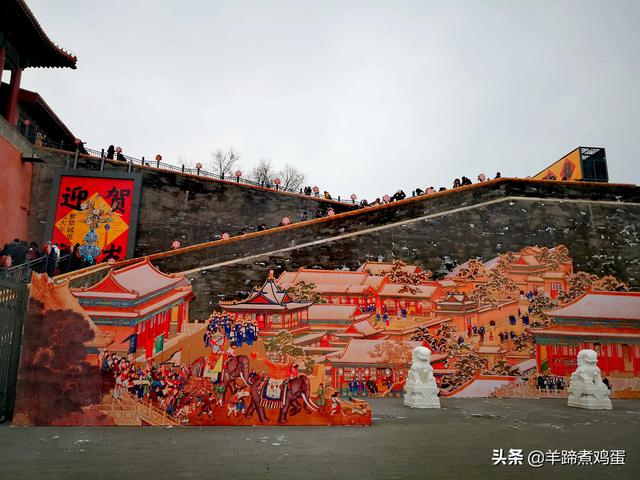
x=234, y=368
x=298, y=388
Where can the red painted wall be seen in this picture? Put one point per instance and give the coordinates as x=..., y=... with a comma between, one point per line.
x=15, y=193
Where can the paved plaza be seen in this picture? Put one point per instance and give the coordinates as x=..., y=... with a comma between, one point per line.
x=454, y=442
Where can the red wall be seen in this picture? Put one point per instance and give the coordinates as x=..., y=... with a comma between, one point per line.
x=15, y=193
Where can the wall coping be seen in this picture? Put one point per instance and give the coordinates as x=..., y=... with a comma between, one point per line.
x=203, y=178
x=361, y=211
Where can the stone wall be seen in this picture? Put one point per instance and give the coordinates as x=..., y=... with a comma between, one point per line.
x=15, y=184
x=599, y=223
x=176, y=206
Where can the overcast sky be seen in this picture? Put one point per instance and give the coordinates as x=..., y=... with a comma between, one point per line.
x=364, y=97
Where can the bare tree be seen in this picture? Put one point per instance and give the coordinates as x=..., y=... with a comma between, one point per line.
x=291, y=177
x=263, y=172
x=222, y=162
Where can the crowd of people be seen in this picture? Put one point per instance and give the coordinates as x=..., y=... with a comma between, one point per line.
x=362, y=387
x=324, y=211
x=238, y=333
x=400, y=195
x=51, y=258
x=162, y=386
x=550, y=382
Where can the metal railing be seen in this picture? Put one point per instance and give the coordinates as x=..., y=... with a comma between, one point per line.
x=184, y=169
x=21, y=274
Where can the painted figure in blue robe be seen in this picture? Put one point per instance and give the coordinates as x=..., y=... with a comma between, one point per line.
x=250, y=335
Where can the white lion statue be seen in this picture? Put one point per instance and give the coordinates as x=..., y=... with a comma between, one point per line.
x=421, y=390
x=586, y=389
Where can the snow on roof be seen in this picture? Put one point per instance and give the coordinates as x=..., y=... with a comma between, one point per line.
x=144, y=278
x=135, y=280
x=373, y=281
x=554, y=275
x=394, y=290
x=362, y=327
x=381, y=268
x=359, y=351
x=268, y=297
x=331, y=281
x=526, y=257
x=602, y=305
x=310, y=337
x=489, y=349
x=330, y=311
x=330, y=277
x=526, y=365
x=456, y=298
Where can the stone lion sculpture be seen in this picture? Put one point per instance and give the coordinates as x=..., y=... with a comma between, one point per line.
x=421, y=371
x=421, y=390
x=586, y=389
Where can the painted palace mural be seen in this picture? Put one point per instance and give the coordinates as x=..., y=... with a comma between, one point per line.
x=309, y=347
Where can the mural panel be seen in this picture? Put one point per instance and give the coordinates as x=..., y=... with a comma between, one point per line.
x=312, y=346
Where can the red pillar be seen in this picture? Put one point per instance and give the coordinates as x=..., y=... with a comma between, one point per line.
x=143, y=333
x=14, y=89
x=180, y=319
x=148, y=347
x=167, y=323
x=550, y=357
x=3, y=55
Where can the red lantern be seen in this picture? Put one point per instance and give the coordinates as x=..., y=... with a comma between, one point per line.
x=158, y=157
x=353, y=196
x=277, y=181
x=238, y=173
x=198, y=166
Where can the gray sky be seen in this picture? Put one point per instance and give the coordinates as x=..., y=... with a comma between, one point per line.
x=364, y=97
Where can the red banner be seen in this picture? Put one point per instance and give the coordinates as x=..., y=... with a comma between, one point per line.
x=95, y=213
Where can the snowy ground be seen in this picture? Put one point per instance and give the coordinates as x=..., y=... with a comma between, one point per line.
x=454, y=442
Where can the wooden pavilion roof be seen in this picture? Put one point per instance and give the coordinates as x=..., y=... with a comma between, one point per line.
x=27, y=43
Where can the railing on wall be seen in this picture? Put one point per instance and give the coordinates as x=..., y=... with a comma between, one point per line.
x=184, y=169
x=21, y=274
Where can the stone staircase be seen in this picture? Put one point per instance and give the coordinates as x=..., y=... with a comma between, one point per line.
x=129, y=411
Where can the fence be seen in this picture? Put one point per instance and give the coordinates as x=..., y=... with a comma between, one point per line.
x=13, y=310
x=132, y=161
x=21, y=274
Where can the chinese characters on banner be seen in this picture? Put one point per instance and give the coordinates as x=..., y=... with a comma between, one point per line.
x=110, y=200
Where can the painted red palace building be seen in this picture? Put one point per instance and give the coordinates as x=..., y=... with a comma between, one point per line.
x=467, y=314
x=271, y=308
x=368, y=287
x=357, y=361
x=527, y=271
x=607, y=322
x=336, y=286
x=137, y=299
